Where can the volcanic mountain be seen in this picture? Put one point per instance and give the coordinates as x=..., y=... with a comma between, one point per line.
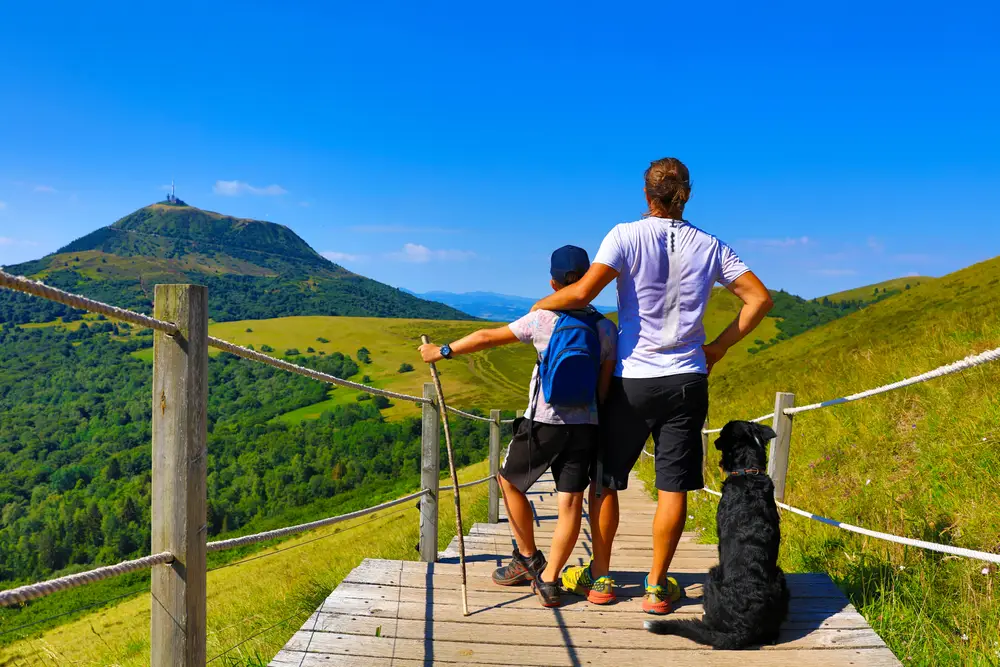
x=253, y=270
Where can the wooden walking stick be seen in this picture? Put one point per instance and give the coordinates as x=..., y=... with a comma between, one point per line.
x=443, y=411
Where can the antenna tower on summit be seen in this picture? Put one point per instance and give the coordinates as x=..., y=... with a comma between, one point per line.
x=173, y=196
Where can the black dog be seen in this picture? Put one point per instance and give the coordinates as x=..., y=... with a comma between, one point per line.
x=746, y=598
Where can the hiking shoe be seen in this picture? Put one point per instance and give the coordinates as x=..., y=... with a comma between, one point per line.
x=520, y=570
x=548, y=593
x=578, y=580
x=658, y=598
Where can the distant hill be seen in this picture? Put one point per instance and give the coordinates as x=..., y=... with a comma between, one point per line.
x=253, y=269
x=490, y=305
x=894, y=286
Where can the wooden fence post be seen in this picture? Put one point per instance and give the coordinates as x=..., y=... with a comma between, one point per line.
x=777, y=462
x=704, y=452
x=494, y=506
x=430, y=475
x=180, y=399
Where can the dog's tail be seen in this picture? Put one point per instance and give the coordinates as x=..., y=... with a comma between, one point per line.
x=696, y=630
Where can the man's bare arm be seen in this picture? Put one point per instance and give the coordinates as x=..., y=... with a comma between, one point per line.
x=580, y=293
x=757, y=303
x=483, y=339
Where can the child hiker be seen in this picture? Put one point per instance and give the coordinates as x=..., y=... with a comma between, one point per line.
x=577, y=355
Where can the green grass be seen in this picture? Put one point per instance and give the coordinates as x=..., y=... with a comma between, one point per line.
x=492, y=379
x=249, y=598
x=867, y=292
x=921, y=462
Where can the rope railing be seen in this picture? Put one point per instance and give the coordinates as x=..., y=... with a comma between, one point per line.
x=35, y=288
x=948, y=369
x=468, y=484
x=41, y=290
x=762, y=418
x=43, y=588
x=232, y=543
x=888, y=537
x=259, y=357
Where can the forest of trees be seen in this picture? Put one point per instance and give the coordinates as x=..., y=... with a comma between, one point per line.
x=75, y=451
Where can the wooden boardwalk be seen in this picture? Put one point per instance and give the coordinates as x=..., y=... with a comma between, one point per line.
x=409, y=614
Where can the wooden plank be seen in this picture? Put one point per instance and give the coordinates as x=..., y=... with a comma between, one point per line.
x=554, y=634
x=777, y=463
x=180, y=422
x=534, y=616
x=468, y=652
x=493, y=509
x=523, y=597
x=875, y=657
x=430, y=474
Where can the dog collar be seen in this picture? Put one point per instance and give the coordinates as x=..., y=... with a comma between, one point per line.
x=747, y=471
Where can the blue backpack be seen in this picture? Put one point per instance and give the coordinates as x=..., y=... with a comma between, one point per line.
x=569, y=369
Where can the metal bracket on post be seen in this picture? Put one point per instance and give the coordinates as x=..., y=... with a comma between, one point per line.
x=494, y=506
x=179, y=521
x=430, y=475
x=777, y=461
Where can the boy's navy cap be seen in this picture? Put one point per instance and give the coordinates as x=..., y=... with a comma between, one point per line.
x=569, y=259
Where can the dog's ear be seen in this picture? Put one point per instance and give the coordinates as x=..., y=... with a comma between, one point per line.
x=764, y=432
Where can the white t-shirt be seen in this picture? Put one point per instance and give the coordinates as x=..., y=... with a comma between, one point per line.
x=666, y=270
x=536, y=328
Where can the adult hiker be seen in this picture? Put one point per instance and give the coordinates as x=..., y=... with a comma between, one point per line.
x=665, y=268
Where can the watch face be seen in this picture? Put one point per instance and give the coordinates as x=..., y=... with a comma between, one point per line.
x=446, y=351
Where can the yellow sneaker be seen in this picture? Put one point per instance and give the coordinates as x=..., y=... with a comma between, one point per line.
x=658, y=599
x=578, y=579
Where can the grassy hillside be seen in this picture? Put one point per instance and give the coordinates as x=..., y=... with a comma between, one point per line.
x=921, y=462
x=280, y=585
x=493, y=379
x=868, y=291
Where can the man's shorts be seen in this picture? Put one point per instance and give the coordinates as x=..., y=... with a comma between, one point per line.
x=672, y=409
x=569, y=449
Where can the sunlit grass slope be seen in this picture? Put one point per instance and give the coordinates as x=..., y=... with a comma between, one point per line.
x=922, y=462
x=491, y=379
x=251, y=596
x=867, y=292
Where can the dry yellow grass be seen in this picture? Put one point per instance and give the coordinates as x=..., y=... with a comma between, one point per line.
x=251, y=596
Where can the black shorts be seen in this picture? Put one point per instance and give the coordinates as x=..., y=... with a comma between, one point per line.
x=569, y=449
x=673, y=410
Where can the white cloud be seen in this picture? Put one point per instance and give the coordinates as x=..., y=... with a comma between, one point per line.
x=421, y=254
x=7, y=241
x=47, y=189
x=401, y=229
x=787, y=242
x=237, y=188
x=913, y=274
x=338, y=257
x=304, y=204
x=3, y=205
x=875, y=244
x=834, y=272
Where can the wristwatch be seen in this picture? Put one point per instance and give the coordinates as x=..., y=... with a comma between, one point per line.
x=446, y=351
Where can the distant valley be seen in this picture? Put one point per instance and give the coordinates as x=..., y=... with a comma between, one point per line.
x=490, y=305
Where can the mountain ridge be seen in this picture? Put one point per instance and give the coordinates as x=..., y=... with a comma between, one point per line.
x=254, y=269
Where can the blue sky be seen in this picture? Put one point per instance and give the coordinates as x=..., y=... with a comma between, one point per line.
x=453, y=146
